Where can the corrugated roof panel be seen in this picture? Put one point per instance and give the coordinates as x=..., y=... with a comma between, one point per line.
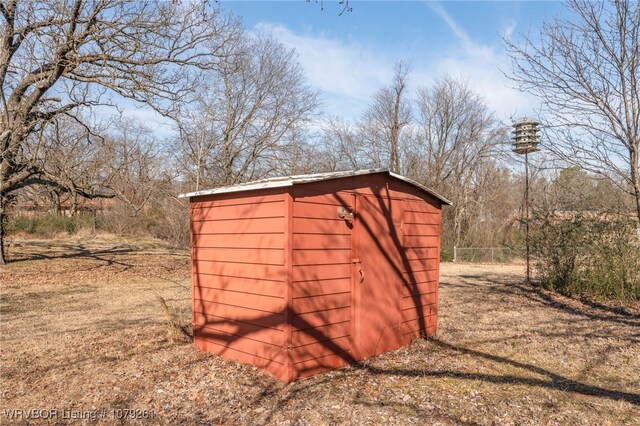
x=284, y=181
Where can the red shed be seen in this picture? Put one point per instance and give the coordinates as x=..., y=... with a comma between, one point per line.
x=304, y=274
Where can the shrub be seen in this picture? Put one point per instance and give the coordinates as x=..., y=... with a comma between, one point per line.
x=612, y=267
x=45, y=226
x=167, y=221
x=51, y=225
x=596, y=258
x=20, y=225
x=446, y=255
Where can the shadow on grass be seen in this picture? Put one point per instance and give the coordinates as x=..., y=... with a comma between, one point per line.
x=550, y=380
x=590, y=310
x=617, y=310
x=285, y=395
x=579, y=307
x=72, y=251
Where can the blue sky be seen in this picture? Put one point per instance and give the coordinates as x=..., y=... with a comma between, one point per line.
x=349, y=57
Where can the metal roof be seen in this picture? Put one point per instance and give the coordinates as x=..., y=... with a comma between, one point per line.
x=279, y=182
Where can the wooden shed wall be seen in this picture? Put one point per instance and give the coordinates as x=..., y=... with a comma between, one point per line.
x=421, y=242
x=321, y=282
x=239, y=245
x=273, y=277
x=421, y=236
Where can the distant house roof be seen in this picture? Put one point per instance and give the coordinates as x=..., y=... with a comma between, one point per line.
x=279, y=182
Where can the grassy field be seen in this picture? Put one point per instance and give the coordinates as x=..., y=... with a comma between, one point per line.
x=84, y=327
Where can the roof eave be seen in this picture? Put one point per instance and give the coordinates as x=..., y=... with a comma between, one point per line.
x=303, y=179
x=422, y=187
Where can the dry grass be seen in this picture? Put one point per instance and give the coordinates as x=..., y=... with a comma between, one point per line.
x=83, y=327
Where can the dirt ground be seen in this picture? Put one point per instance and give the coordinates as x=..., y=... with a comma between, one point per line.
x=83, y=332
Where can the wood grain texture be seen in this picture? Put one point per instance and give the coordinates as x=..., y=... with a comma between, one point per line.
x=282, y=282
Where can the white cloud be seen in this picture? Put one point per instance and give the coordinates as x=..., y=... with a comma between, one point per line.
x=508, y=30
x=460, y=33
x=346, y=72
x=486, y=78
x=484, y=67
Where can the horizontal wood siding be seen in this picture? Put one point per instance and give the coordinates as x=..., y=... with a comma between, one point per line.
x=244, y=285
x=239, y=314
x=272, y=272
x=312, y=288
x=311, y=273
x=321, y=287
x=260, y=226
x=240, y=335
x=321, y=364
x=261, y=241
x=421, y=225
x=238, y=257
x=258, y=302
x=321, y=318
x=246, y=269
x=328, y=332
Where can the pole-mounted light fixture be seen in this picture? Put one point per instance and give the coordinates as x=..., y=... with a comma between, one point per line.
x=525, y=140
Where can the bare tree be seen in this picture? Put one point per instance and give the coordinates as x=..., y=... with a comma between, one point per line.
x=242, y=124
x=445, y=137
x=196, y=145
x=385, y=121
x=57, y=57
x=343, y=145
x=67, y=155
x=143, y=182
x=132, y=156
x=343, y=6
x=585, y=70
x=456, y=138
x=302, y=158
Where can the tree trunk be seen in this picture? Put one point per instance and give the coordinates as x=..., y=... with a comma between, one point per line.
x=395, y=134
x=637, y=195
x=55, y=201
x=457, y=225
x=3, y=258
x=393, y=157
x=393, y=161
x=635, y=178
x=74, y=205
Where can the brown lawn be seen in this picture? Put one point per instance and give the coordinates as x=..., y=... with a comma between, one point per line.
x=83, y=328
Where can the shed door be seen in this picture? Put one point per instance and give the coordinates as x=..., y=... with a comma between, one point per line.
x=377, y=271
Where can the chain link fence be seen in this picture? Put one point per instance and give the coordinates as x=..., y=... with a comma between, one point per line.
x=486, y=254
